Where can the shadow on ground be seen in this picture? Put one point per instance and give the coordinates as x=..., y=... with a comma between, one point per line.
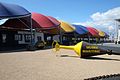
x=69, y=56
x=91, y=58
x=100, y=58
x=11, y=50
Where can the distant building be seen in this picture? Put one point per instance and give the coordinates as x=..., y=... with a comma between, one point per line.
x=118, y=31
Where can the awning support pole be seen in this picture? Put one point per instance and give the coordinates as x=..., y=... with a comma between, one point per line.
x=89, y=38
x=60, y=35
x=75, y=41
x=31, y=31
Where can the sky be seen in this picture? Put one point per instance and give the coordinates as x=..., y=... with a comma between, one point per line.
x=96, y=13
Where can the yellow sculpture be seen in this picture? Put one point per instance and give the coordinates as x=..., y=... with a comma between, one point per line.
x=83, y=49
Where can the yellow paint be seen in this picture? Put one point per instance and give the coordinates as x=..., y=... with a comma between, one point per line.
x=76, y=48
x=91, y=51
x=66, y=27
x=91, y=47
x=56, y=46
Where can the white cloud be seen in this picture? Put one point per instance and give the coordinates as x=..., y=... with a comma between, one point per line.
x=97, y=16
x=57, y=17
x=108, y=15
x=87, y=23
x=110, y=28
x=104, y=20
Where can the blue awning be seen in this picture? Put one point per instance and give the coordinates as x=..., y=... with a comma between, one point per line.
x=80, y=29
x=12, y=11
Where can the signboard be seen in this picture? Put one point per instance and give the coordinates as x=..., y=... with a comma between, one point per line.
x=90, y=50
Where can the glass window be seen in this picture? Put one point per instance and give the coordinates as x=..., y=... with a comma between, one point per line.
x=4, y=38
x=27, y=38
x=48, y=38
x=18, y=37
x=39, y=38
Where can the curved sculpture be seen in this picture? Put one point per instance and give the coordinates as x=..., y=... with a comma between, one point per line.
x=84, y=49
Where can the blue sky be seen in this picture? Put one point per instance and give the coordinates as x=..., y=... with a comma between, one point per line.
x=68, y=10
x=95, y=13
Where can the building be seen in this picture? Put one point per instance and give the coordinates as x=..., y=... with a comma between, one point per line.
x=118, y=30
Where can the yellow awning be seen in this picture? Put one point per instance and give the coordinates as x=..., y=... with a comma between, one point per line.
x=66, y=27
x=101, y=33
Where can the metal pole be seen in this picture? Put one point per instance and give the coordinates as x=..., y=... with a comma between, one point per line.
x=31, y=30
x=89, y=38
x=116, y=30
x=60, y=35
x=75, y=41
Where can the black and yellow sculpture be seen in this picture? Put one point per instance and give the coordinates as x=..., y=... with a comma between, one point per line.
x=84, y=49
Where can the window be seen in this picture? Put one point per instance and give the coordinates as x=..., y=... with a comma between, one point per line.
x=27, y=38
x=78, y=38
x=64, y=38
x=39, y=38
x=49, y=38
x=18, y=37
x=4, y=38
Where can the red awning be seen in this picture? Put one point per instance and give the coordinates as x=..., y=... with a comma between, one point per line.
x=43, y=22
x=55, y=21
x=93, y=32
x=39, y=21
x=53, y=30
